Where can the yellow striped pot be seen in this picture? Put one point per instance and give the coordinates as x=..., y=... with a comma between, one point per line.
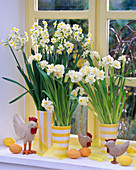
x=107, y=131
x=44, y=124
x=61, y=136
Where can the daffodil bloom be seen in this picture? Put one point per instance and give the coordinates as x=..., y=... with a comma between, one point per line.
x=100, y=75
x=74, y=93
x=55, y=23
x=83, y=101
x=116, y=64
x=90, y=79
x=108, y=59
x=38, y=57
x=59, y=51
x=53, y=40
x=43, y=64
x=31, y=58
x=35, y=25
x=69, y=50
x=123, y=58
x=11, y=43
x=75, y=27
x=60, y=47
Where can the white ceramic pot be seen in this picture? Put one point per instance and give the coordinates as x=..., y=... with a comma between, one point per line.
x=107, y=131
x=44, y=124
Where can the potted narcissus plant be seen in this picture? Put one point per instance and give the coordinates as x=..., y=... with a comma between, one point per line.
x=107, y=101
x=58, y=86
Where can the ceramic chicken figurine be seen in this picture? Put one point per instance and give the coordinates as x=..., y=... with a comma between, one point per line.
x=85, y=141
x=25, y=131
x=115, y=150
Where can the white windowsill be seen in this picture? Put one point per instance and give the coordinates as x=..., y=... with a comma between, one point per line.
x=18, y=161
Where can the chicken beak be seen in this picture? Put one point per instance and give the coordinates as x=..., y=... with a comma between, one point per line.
x=105, y=145
x=36, y=126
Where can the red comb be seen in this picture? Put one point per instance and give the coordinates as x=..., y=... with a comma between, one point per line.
x=110, y=139
x=33, y=119
x=89, y=134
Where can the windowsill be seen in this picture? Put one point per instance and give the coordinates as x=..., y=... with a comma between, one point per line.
x=6, y=157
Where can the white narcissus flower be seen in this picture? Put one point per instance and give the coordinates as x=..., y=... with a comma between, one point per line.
x=86, y=63
x=90, y=79
x=43, y=64
x=59, y=51
x=74, y=93
x=75, y=76
x=94, y=54
x=55, y=23
x=85, y=70
x=53, y=40
x=67, y=44
x=116, y=64
x=38, y=57
x=101, y=63
x=69, y=50
x=100, y=75
x=11, y=43
x=31, y=58
x=108, y=59
x=45, y=22
x=50, y=69
x=58, y=71
x=36, y=33
x=83, y=101
x=60, y=47
x=42, y=42
x=94, y=70
x=50, y=108
x=35, y=25
x=75, y=27
x=81, y=90
x=123, y=58
x=48, y=105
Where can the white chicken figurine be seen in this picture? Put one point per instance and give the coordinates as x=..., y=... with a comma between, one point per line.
x=25, y=131
x=116, y=150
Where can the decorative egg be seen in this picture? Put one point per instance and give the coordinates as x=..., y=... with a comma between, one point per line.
x=9, y=141
x=131, y=149
x=125, y=160
x=73, y=153
x=15, y=148
x=85, y=152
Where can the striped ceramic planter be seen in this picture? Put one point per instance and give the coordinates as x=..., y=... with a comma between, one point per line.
x=107, y=131
x=61, y=136
x=44, y=124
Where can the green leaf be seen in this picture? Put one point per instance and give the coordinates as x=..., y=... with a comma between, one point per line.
x=13, y=81
x=18, y=97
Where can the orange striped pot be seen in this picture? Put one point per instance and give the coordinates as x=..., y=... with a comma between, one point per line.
x=44, y=124
x=107, y=131
x=61, y=136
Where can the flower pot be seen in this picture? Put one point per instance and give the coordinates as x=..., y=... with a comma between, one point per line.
x=61, y=136
x=107, y=131
x=44, y=124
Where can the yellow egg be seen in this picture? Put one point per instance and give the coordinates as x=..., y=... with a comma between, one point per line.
x=9, y=141
x=125, y=160
x=131, y=149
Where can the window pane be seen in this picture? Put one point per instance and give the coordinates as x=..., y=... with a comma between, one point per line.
x=127, y=124
x=62, y=5
x=122, y=42
x=122, y=5
x=79, y=120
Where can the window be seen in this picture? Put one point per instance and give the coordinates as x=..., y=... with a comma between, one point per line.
x=100, y=15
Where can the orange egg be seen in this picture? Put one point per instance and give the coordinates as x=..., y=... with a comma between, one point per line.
x=85, y=152
x=73, y=153
x=15, y=148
